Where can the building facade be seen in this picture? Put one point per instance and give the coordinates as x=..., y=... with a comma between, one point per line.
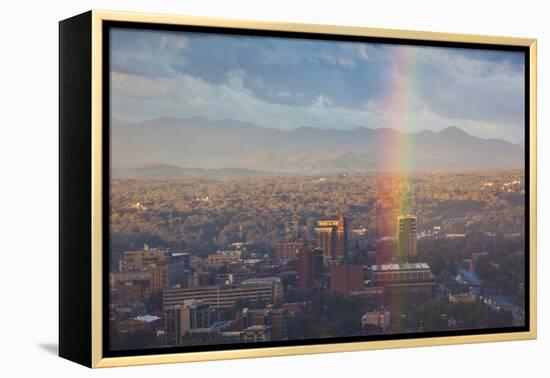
x=158, y=278
x=220, y=297
x=400, y=278
x=406, y=236
x=116, y=278
x=345, y=279
x=289, y=251
x=257, y=333
x=332, y=238
x=224, y=257
x=136, y=261
x=183, y=317
x=309, y=268
x=175, y=271
x=276, y=319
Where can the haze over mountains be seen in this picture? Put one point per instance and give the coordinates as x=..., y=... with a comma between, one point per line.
x=197, y=147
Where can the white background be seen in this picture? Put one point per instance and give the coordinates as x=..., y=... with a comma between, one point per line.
x=29, y=188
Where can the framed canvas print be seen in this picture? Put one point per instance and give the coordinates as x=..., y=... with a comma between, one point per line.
x=235, y=189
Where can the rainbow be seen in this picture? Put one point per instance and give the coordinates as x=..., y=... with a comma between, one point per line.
x=399, y=105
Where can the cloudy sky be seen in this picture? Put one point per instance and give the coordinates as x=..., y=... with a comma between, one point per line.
x=290, y=83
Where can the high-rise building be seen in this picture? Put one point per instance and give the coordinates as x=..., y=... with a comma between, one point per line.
x=406, y=236
x=180, y=318
x=159, y=278
x=179, y=269
x=346, y=278
x=309, y=268
x=168, y=274
x=332, y=238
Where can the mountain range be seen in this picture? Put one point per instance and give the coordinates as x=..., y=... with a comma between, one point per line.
x=197, y=147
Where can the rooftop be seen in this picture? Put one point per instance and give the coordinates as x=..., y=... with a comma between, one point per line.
x=177, y=254
x=221, y=325
x=261, y=280
x=408, y=216
x=147, y=318
x=226, y=253
x=257, y=328
x=149, y=250
x=403, y=266
x=300, y=242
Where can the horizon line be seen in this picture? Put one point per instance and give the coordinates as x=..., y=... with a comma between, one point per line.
x=126, y=122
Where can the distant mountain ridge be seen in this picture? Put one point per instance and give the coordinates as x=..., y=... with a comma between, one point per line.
x=165, y=171
x=227, y=147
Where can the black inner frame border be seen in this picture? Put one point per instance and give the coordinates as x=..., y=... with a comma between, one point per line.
x=108, y=25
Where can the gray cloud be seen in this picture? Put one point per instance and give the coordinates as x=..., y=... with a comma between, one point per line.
x=286, y=83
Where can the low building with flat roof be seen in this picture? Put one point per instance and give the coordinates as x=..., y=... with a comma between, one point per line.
x=220, y=297
x=116, y=278
x=379, y=318
x=405, y=277
x=224, y=257
x=257, y=333
x=139, y=260
x=462, y=298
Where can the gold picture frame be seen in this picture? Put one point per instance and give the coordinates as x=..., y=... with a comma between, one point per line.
x=91, y=333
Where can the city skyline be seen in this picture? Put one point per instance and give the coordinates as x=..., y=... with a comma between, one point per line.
x=252, y=305
x=301, y=189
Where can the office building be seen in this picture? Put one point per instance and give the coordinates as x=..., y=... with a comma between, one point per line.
x=257, y=333
x=137, y=261
x=220, y=297
x=116, y=278
x=276, y=319
x=178, y=270
x=231, y=336
x=406, y=236
x=174, y=272
x=127, y=293
x=132, y=326
x=158, y=278
x=275, y=283
x=332, y=238
x=279, y=324
x=288, y=251
x=224, y=257
x=309, y=268
x=200, y=278
x=403, y=278
x=295, y=309
x=187, y=315
x=345, y=279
